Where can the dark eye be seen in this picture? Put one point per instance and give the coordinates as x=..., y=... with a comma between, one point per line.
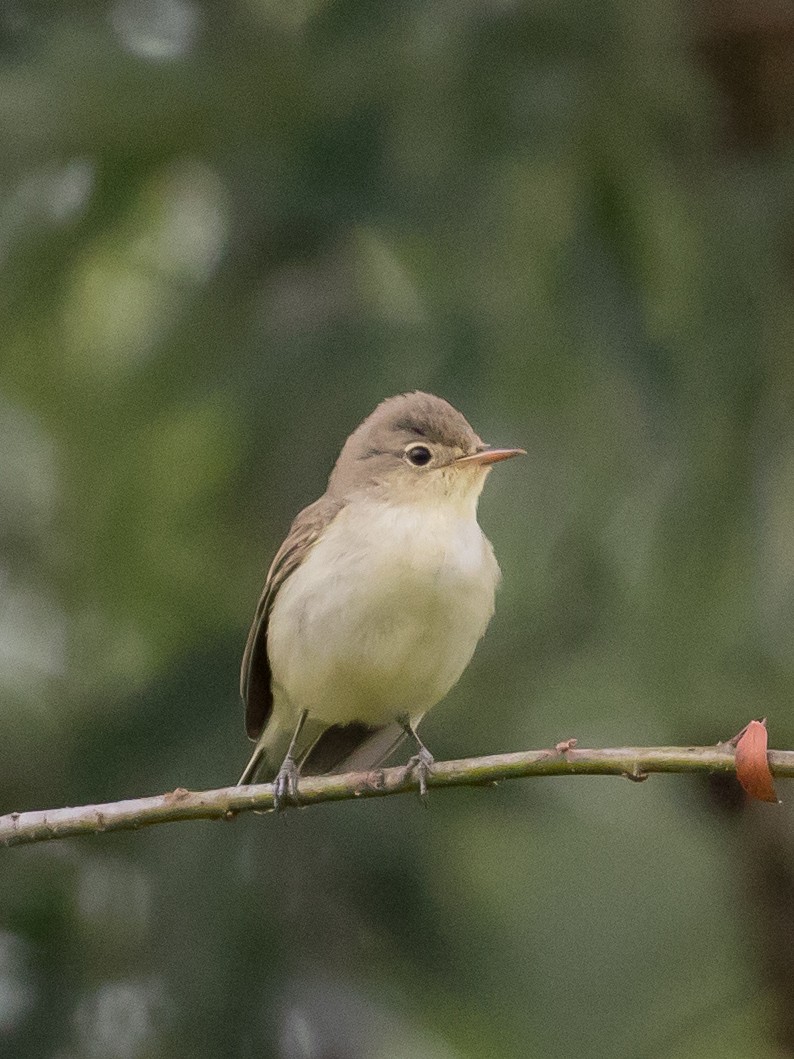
x=418, y=455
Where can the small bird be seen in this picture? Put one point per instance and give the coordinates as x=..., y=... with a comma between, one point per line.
x=375, y=602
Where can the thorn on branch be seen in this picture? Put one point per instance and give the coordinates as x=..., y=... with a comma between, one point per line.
x=561, y=748
x=736, y=739
x=565, y=746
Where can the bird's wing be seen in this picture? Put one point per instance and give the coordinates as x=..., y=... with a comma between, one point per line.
x=255, y=677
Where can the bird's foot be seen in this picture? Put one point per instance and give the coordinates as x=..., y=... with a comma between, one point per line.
x=285, y=785
x=421, y=764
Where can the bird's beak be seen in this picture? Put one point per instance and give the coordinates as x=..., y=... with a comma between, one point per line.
x=482, y=459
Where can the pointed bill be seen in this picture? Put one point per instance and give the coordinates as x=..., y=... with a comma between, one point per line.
x=482, y=459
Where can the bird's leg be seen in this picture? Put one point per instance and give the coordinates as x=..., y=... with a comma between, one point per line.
x=422, y=761
x=285, y=785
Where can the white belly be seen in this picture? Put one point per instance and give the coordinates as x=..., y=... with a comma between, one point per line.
x=383, y=616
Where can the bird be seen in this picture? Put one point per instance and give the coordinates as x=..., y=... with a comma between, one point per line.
x=375, y=602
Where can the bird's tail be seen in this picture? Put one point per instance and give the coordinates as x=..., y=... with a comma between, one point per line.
x=267, y=755
x=251, y=769
x=338, y=748
x=351, y=748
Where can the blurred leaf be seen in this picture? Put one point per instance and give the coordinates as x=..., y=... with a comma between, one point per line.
x=752, y=765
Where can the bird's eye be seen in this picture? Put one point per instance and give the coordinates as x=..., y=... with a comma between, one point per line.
x=418, y=455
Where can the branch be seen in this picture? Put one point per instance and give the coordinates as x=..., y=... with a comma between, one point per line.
x=634, y=763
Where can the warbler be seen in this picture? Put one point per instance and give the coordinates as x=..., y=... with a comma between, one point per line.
x=376, y=600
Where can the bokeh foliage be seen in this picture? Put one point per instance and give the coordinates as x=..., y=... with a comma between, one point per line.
x=227, y=231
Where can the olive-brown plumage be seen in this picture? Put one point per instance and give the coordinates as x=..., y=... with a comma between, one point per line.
x=375, y=601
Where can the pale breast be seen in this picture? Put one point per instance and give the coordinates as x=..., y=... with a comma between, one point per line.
x=384, y=615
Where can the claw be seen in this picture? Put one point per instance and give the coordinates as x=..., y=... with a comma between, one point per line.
x=422, y=764
x=285, y=785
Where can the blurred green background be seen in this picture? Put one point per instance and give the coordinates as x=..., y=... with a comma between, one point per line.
x=227, y=230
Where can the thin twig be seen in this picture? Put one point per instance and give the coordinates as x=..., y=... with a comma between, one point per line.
x=564, y=760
